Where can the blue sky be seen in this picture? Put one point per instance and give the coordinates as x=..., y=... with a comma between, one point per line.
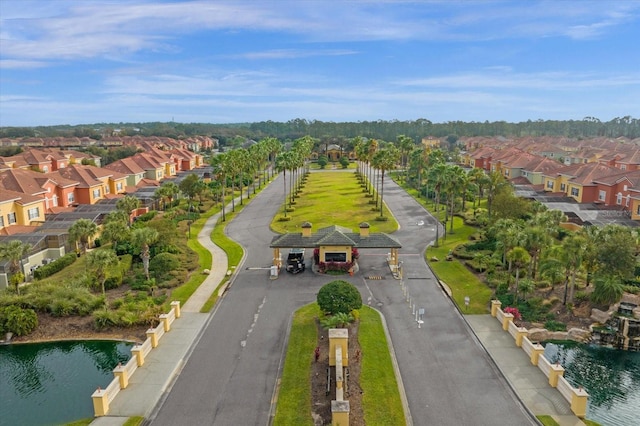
x=80, y=62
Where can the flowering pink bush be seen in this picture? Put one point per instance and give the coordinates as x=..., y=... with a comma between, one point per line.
x=513, y=311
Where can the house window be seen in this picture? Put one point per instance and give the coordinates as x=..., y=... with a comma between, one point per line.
x=549, y=184
x=602, y=195
x=106, y=189
x=335, y=257
x=12, y=218
x=54, y=200
x=619, y=198
x=34, y=213
x=119, y=186
x=563, y=187
x=575, y=192
x=45, y=169
x=1, y=221
x=96, y=193
x=160, y=174
x=71, y=198
x=628, y=200
x=506, y=172
x=61, y=166
x=623, y=167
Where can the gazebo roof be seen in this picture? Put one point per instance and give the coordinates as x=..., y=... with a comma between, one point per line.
x=335, y=236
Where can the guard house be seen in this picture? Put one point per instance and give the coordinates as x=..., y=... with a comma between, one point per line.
x=335, y=243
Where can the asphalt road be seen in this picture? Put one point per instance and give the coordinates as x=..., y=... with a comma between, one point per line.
x=231, y=375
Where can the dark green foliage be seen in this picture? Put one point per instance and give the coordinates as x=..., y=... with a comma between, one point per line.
x=163, y=263
x=323, y=161
x=344, y=162
x=553, y=325
x=55, y=266
x=339, y=297
x=607, y=290
x=146, y=217
x=17, y=320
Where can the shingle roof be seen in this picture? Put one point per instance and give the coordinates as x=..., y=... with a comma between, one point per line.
x=335, y=236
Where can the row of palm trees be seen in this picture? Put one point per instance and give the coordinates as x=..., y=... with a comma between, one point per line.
x=295, y=161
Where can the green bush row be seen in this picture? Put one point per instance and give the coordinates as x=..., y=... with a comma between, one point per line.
x=55, y=266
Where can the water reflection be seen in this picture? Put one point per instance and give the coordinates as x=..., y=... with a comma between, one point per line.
x=611, y=377
x=51, y=383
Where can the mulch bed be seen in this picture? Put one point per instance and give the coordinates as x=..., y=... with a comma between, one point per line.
x=320, y=401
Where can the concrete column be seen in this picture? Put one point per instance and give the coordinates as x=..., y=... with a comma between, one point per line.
x=164, y=318
x=538, y=350
x=506, y=320
x=121, y=373
x=579, y=402
x=176, y=305
x=340, y=413
x=151, y=335
x=137, y=351
x=100, y=403
x=522, y=332
x=338, y=337
x=556, y=371
x=495, y=305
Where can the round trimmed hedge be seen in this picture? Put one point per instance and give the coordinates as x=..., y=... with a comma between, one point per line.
x=339, y=297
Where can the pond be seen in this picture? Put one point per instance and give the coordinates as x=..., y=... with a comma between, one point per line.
x=611, y=377
x=51, y=383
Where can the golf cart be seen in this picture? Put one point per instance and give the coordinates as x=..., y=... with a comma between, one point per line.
x=295, y=260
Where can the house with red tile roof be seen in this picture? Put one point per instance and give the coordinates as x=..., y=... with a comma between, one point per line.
x=130, y=168
x=19, y=210
x=94, y=183
x=577, y=180
x=617, y=190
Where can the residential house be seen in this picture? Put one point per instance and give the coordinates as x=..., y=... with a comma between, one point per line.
x=128, y=167
x=616, y=190
x=577, y=180
x=94, y=183
x=153, y=168
x=18, y=209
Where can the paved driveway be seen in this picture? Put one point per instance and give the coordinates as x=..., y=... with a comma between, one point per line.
x=232, y=372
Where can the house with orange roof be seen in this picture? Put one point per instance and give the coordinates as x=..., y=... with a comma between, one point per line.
x=535, y=170
x=18, y=209
x=94, y=183
x=617, y=190
x=128, y=167
x=31, y=183
x=154, y=169
x=577, y=180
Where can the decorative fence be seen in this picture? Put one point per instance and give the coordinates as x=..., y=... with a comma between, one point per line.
x=577, y=397
x=102, y=398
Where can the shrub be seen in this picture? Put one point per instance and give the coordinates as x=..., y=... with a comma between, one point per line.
x=163, y=263
x=17, y=320
x=339, y=297
x=55, y=266
x=513, y=311
x=553, y=325
x=146, y=216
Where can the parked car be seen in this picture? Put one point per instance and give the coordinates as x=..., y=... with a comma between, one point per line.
x=295, y=261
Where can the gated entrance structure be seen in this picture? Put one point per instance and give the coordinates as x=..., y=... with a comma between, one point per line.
x=336, y=243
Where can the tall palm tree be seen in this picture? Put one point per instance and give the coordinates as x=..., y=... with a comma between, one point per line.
x=128, y=204
x=519, y=257
x=405, y=143
x=283, y=163
x=82, y=231
x=14, y=251
x=573, y=249
x=220, y=169
x=143, y=238
x=494, y=184
x=100, y=261
x=372, y=147
x=385, y=159
x=171, y=191
x=115, y=231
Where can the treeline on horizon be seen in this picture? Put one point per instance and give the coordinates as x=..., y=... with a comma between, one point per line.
x=335, y=131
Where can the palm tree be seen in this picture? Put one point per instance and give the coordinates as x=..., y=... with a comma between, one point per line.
x=536, y=240
x=99, y=261
x=220, y=169
x=372, y=147
x=519, y=257
x=128, y=204
x=573, y=248
x=385, y=159
x=115, y=231
x=14, y=251
x=283, y=163
x=83, y=230
x=171, y=190
x=143, y=238
x=479, y=178
x=405, y=143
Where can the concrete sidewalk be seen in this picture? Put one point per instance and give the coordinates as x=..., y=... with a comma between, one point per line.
x=529, y=383
x=150, y=383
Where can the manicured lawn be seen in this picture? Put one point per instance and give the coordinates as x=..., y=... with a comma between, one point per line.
x=381, y=399
x=332, y=198
x=294, y=398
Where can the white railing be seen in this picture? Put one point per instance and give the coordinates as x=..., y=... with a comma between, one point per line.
x=102, y=398
x=513, y=329
x=577, y=397
x=112, y=390
x=565, y=389
x=527, y=346
x=131, y=366
x=544, y=365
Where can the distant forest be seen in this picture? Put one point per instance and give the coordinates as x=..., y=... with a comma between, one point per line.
x=337, y=131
